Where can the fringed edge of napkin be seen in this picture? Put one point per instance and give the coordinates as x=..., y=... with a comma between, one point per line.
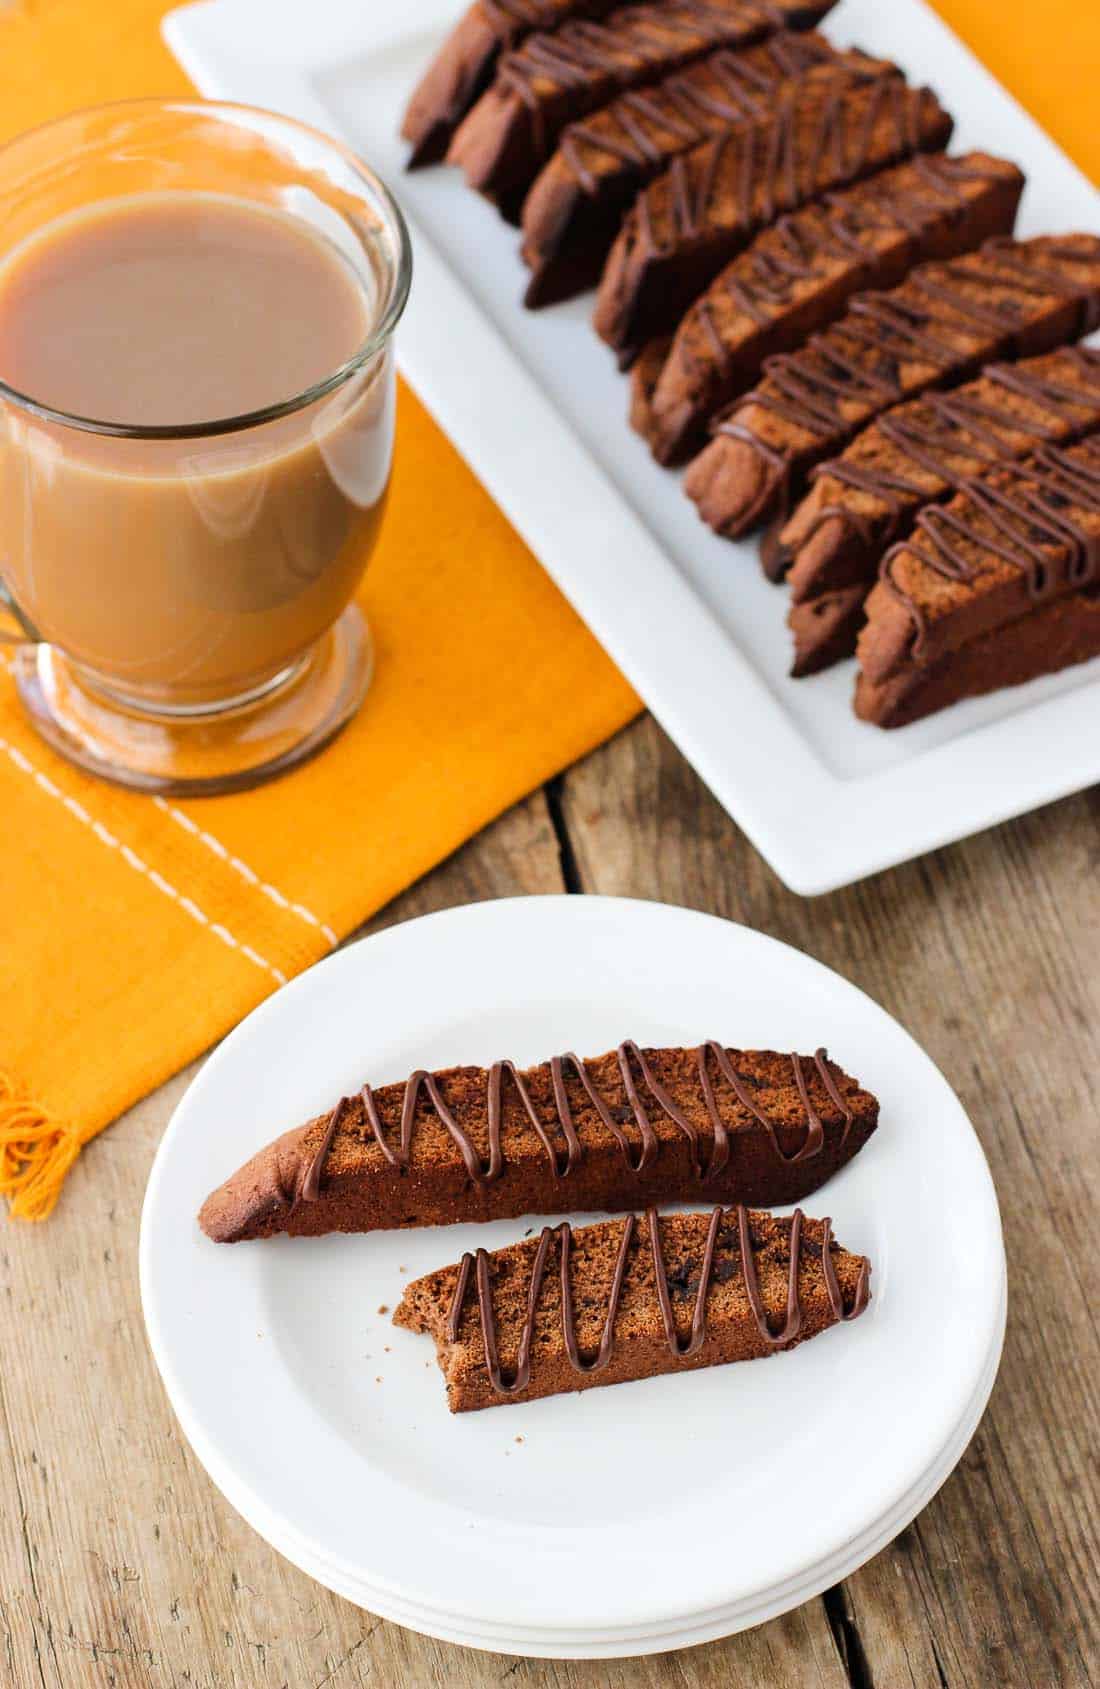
x=36, y=1153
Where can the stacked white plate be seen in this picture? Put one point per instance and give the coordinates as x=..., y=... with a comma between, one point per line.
x=614, y=1522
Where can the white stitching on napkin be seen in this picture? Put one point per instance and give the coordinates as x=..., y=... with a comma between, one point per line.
x=247, y=874
x=108, y=838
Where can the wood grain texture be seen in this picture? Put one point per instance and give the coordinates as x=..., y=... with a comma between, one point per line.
x=987, y=952
x=120, y=1564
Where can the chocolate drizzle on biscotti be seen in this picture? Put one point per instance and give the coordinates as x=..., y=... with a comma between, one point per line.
x=689, y=223
x=726, y=88
x=483, y=1172
x=798, y=275
x=463, y=67
x=943, y=320
x=563, y=64
x=943, y=426
x=845, y=230
x=575, y=206
x=1024, y=523
x=998, y=587
x=913, y=458
x=478, y=1267
x=608, y=1133
x=308, y=1188
x=768, y=165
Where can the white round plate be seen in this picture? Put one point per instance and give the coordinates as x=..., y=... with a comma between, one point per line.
x=703, y=1627
x=616, y=1521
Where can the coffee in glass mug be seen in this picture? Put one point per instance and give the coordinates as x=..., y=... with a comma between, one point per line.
x=196, y=434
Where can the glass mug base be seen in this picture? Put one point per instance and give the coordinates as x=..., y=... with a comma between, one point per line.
x=198, y=753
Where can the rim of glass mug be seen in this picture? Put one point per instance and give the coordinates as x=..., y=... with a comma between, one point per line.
x=400, y=281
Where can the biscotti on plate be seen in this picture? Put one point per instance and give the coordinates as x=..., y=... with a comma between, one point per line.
x=463, y=68
x=914, y=456
x=1053, y=637
x=554, y=78
x=576, y=203
x=800, y=274
x=618, y=1131
x=937, y=329
x=631, y=1299
x=711, y=202
x=996, y=587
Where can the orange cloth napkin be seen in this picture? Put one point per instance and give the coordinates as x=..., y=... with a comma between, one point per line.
x=137, y=931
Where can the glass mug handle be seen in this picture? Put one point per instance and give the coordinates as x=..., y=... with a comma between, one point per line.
x=27, y=633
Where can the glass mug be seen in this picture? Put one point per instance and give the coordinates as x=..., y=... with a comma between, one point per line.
x=180, y=598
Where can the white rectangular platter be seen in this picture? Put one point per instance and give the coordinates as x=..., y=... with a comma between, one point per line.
x=536, y=406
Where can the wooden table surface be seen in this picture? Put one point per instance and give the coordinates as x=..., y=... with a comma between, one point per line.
x=121, y=1565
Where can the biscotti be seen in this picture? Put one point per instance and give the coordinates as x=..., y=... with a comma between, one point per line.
x=697, y=216
x=799, y=275
x=945, y=321
x=825, y=628
x=916, y=455
x=620, y=1130
x=645, y=372
x=553, y=79
x=1057, y=636
x=630, y=1299
x=576, y=202
x=463, y=67
x=1018, y=539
